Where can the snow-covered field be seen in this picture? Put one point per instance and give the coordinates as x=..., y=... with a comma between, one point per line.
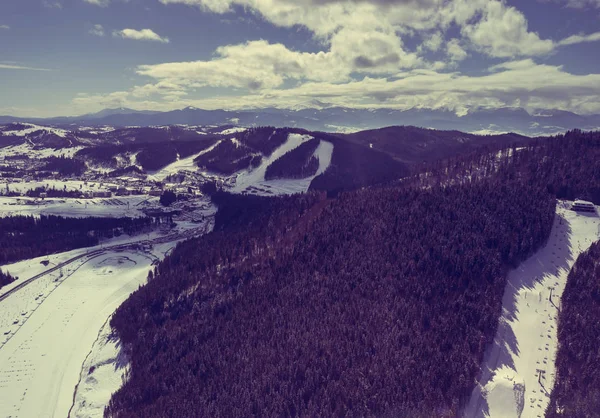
x=253, y=180
x=56, y=323
x=113, y=207
x=518, y=370
x=183, y=164
x=40, y=364
x=31, y=128
x=32, y=152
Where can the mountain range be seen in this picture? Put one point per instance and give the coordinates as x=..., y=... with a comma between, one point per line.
x=338, y=119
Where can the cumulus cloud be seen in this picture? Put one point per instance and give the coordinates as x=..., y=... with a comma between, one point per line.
x=492, y=27
x=512, y=83
x=455, y=51
x=262, y=65
x=97, y=30
x=503, y=32
x=140, y=35
x=364, y=60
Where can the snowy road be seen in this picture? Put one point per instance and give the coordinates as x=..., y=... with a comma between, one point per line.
x=50, y=338
x=518, y=370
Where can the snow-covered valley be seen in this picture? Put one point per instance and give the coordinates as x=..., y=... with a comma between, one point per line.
x=40, y=364
x=519, y=368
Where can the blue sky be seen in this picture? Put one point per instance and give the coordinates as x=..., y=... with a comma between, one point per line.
x=67, y=57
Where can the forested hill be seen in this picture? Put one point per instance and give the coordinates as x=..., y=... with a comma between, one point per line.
x=412, y=145
x=379, y=302
x=332, y=313
x=577, y=387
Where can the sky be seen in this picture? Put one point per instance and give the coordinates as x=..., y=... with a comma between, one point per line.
x=72, y=57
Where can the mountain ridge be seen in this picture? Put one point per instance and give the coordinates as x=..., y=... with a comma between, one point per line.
x=340, y=119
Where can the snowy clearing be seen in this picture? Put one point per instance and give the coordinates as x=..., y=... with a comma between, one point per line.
x=183, y=164
x=232, y=131
x=518, y=370
x=38, y=153
x=31, y=128
x=40, y=364
x=253, y=180
x=58, y=322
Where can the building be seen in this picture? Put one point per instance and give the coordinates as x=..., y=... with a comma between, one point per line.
x=583, y=206
x=101, y=194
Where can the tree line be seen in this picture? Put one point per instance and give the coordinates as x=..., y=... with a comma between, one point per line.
x=295, y=164
x=24, y=237
x=5, y=279
x=378, y=302
x=576, y=390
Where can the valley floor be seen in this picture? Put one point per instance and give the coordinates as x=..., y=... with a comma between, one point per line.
x=518, y=370
x=52, y=326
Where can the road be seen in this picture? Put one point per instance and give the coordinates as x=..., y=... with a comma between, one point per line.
x=50, y=322
x=98, y=251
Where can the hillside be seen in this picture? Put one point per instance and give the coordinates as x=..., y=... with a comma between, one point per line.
x=576, y=391
x=410, y=144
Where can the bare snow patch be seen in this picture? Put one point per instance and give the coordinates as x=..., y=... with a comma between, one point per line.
x=232, y=131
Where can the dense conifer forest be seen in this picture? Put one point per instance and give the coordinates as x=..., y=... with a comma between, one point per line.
x=297, y=163
x=354, y=166
x=228, y=157
x=577, y=386
x=64, y=166
x=378, y=302
x=24, y=237
x=335, y=313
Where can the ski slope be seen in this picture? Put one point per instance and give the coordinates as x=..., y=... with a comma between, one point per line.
x=253, y=180
x=518, y=370
x=182, y=164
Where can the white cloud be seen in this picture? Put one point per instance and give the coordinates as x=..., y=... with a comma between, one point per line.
x=5, y=27
x=455, y=51
x=140, y=35
x=97, y=30
x=101, y=3
x=52, y=4
x=577, y=39
x=434, y=42
x=503, y=32
x=259, y=65
x=492, y=27
x=581, y=4
x=20, y=67
x=513, y=83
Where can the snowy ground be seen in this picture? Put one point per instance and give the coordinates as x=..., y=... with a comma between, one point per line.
x=183, y=164
x=518, y=370
x=32, y=152
x=253, y=180
x=31, y=128
x=57, y=323
x=40, y=364
x=49, y=326
x=113, y=207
